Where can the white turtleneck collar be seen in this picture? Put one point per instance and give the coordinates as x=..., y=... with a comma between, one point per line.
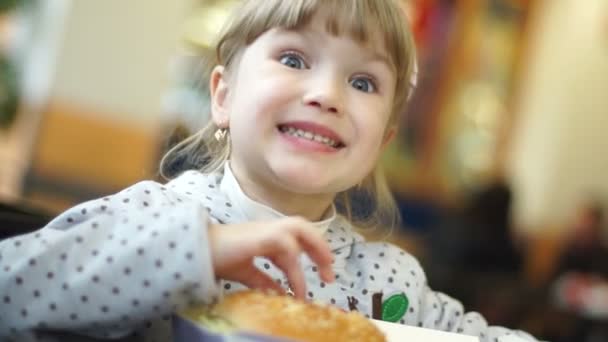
x=255, y=211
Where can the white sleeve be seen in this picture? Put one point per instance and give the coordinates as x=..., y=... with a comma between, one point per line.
x=431, y=309
x=108, y=265
x=439, y=311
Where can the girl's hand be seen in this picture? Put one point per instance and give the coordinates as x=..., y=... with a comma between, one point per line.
x=233, y=248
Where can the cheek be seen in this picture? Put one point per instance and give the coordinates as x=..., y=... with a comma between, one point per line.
x=261, y=97
x=372, y=128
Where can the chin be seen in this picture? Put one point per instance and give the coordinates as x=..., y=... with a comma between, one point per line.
x=311, y=180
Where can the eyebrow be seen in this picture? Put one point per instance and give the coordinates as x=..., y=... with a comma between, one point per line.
x=374, y=57
x=382, y=58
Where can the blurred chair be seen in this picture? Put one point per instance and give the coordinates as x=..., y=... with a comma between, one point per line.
x=79, y=155
x=18, y=218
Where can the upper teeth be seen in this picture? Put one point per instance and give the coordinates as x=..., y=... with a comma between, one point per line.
x=296, y=132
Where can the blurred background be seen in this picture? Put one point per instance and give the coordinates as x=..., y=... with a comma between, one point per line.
x=500, y=170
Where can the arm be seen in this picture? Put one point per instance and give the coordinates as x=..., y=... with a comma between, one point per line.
x=107, y=265
x=441, y=312
x=431, y=309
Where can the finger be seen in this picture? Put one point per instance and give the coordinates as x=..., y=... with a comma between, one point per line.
x=257, y=279
x=318, y=250
x=295, y=276
x=288, y=261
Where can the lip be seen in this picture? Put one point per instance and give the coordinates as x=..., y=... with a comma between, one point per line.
x=316, y=129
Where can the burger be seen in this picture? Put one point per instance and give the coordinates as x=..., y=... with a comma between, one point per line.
x=279, y=316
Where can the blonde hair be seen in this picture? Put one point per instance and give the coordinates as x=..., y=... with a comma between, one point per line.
x=361, y=19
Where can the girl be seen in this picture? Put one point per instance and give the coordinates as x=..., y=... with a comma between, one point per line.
x=305, y=96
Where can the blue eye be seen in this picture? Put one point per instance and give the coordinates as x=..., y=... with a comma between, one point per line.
x=292, y=60
x=363, y=84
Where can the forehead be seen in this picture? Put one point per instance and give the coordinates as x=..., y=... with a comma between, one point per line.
x=377, y=23
x=365, y=33
x=371, y=40
x=365, y=30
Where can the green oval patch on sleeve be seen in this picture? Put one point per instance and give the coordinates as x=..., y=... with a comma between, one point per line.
x=394, y=308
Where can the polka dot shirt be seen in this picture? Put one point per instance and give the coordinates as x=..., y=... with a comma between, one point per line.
x=119, y=267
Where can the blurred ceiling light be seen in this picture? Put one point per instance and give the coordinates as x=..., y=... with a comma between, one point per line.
x=482, y=106
x=203, y=26
x=478, y=161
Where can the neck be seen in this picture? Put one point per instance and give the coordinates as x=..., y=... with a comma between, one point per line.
x=309, y=206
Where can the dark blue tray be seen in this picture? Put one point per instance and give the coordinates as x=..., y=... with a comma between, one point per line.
x=185, y=330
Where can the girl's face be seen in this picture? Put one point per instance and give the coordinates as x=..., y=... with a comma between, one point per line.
x=308, y=111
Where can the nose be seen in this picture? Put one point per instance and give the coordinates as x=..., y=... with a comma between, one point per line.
x=325, y=93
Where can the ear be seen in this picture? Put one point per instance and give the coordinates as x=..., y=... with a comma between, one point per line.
x=389, y=136
x=218, y=89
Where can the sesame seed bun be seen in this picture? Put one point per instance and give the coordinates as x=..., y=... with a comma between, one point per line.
x=283, y=316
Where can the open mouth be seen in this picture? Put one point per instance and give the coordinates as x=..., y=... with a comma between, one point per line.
x=317, y=137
